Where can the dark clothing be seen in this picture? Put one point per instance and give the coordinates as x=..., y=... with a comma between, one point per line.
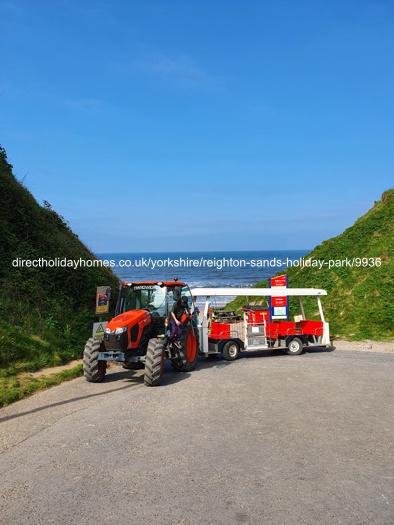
x=178, y=310
x=175, y=331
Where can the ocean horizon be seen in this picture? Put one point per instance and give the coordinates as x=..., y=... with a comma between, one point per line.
x=238, y=268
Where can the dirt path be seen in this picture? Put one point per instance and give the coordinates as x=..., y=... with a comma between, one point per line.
x=365, y=346
x=55, y=369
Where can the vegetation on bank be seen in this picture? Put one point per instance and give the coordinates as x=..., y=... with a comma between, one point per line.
x=46, y=313
x=360, y=282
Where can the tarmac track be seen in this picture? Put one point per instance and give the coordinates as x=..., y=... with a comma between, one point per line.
x=268, y=439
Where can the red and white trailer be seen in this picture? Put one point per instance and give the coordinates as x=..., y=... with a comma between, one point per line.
x=257, y=330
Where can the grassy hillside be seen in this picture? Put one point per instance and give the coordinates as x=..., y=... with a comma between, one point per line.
x=45, y=313
x=360, y=282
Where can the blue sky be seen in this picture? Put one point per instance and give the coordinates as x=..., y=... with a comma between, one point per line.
x=200, y=125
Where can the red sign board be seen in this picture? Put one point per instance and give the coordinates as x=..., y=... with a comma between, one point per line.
x=280, y=281
x=279, y=306
x=278, y=301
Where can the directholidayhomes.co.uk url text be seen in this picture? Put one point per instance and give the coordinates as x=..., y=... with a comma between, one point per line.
x=186, y=262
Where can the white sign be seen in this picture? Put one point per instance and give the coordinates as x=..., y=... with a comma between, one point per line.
x=279, y=312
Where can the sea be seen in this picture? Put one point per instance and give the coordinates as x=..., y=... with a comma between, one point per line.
x=206, y=268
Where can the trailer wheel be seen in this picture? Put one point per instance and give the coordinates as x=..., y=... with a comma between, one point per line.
x=93, y=369
x=295, y=346
x=230, y=351
x=188, y=352
x=154, y=362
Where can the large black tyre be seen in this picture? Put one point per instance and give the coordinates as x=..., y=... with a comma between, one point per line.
x=190, y=346
x=93, y=369
x=154, y=362
x=294, y=346
x=230, y=351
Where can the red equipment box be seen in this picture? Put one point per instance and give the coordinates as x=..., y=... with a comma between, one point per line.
x=273, y=330
x=312, y=327
x=287, y=328
x=220, y=331
x=256, y=315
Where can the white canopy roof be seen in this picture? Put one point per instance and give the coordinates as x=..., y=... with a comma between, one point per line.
x=256, y=292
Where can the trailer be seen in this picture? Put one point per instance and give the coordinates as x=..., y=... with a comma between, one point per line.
x=258, y=330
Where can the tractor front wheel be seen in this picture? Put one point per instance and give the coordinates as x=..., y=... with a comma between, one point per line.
x=188, y=352
x=154, y=362
x=93, y=369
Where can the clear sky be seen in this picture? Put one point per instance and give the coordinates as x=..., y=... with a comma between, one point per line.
x=200, y=125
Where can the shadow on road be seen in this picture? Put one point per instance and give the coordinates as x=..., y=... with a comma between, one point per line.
x=169, y=377
x=60, y=403
x=128, y=378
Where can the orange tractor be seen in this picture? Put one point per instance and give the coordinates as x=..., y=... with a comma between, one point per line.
x=138, y=337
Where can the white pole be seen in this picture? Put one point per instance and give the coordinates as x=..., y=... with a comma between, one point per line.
x=302, y=308
x=207, y=301
x=320, y=309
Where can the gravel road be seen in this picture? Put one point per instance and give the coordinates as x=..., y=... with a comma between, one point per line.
x=268, y=439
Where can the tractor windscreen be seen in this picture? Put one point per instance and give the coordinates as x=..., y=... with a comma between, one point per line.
x=152, y=297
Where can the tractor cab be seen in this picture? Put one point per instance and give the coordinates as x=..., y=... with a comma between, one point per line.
x=151, y=300
x=156, y=297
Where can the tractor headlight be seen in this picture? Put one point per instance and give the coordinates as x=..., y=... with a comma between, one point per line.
x=121, y=330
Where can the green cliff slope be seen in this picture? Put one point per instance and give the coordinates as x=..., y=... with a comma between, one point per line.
x=360, y=281
x=46, y=314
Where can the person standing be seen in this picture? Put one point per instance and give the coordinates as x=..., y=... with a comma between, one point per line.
x=179, y=308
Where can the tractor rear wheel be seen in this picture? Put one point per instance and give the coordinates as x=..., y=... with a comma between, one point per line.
x=188, y=352
x=154, y=362
x=93, y=369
